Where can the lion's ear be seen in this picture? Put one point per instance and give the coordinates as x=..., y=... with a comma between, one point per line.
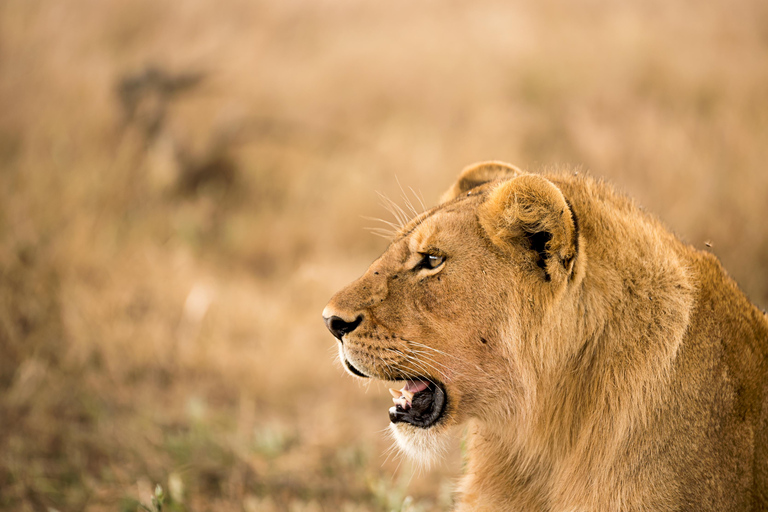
x=531, y=211
x=478, y=174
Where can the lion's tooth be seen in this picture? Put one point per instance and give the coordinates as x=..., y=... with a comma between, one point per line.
x=402, y=402
x=407, y=394
x=395, y=393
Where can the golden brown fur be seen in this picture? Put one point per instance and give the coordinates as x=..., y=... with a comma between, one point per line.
x=599, y=363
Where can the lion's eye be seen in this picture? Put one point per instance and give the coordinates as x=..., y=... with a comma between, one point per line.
x=429, y=262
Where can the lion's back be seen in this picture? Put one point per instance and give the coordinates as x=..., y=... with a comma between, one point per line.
x=712, y=428
x=720, y=393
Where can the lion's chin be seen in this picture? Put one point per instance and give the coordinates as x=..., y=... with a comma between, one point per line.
x=422, y=446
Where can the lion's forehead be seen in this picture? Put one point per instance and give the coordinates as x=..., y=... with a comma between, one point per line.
x=423, y=235
x=443, y=230
x=442, y=227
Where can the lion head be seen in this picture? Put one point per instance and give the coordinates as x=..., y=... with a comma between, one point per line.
x=600, y=363
x=447, y=304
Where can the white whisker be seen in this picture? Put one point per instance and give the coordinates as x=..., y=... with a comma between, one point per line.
x=420, y=198
x=395, y=210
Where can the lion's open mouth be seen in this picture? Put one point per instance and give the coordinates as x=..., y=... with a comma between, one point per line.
x=419, y=402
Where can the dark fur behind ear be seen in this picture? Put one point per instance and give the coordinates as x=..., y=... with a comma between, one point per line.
x=479, y=174
x=530, y=210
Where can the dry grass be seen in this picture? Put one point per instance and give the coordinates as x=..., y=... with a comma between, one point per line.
x=182, y=186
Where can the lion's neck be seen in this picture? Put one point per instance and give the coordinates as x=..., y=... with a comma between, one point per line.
x=610, y=348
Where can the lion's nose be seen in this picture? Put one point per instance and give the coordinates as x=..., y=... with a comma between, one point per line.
x=339, y=327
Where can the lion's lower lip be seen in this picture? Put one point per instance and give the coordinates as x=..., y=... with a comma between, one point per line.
x=426, y=409
x=354, y=370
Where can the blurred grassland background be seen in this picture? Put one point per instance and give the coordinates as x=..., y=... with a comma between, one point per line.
x=183, y=186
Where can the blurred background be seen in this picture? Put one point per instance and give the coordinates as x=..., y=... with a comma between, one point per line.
x=183, y=185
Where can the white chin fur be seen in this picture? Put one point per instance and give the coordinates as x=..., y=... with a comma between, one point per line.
x=422, y=446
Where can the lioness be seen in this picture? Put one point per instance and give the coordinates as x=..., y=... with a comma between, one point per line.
x=600, y=363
